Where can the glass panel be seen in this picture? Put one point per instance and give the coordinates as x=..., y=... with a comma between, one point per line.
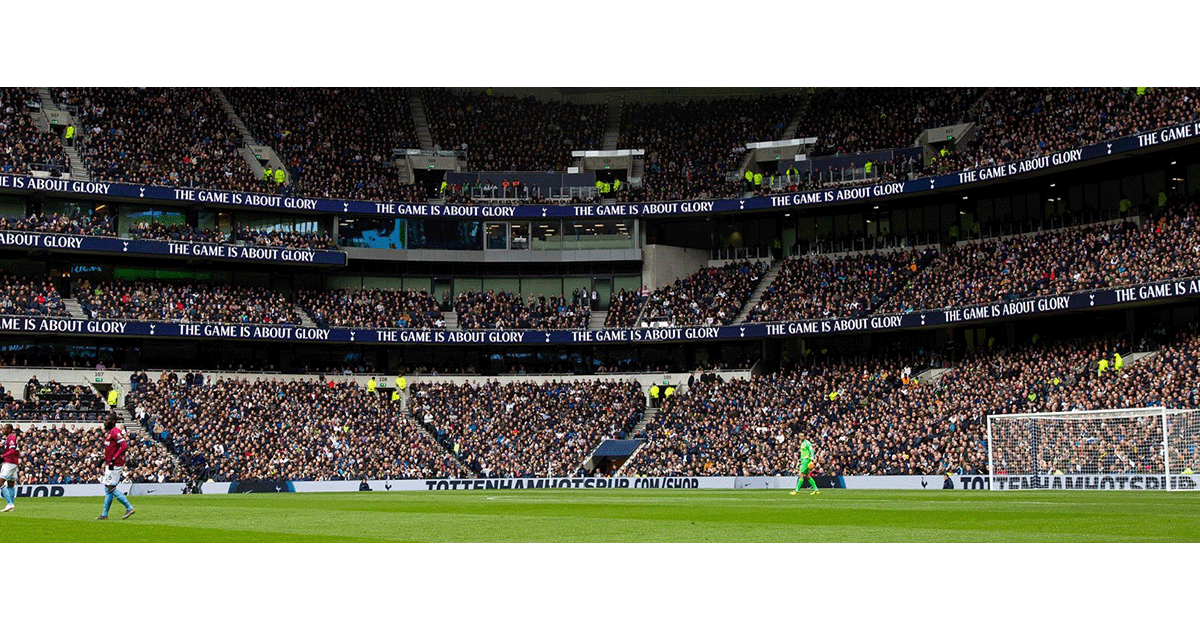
x=547, y=235
x=572, y=233
x=497, y=235
x=1110, y=194
x=373, y=233
x=148, y=215
x=501, y=285
x=1131, y=189
x=436, y=234
x=603, y=287
x=519, y=233
x=541, y=286
x=12, y=207
x=419, y=283
x=629, y=283
x=467, y=284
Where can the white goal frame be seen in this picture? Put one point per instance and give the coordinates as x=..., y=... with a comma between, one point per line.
x=1173, y=433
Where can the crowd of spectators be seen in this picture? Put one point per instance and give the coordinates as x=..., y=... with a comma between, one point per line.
x=1018, y=123
x=61, y=454
x=184, y=302
x=295, y=429
x=93, y=224
x=159, y=231
x=624, y=306
x=505, y=309
x=852, y=120
x=159, y=136
x=334, y=142
x=1081, y=258
x=339, y=142
x=371, y=308
x=285, y=238
x=752, y=427
x=26, y=296
x=23, y=147
x=507, y=133
x=810, y=287
x=872, y=415
x=692, y=147
x=866, y=414
x=525, y=429
x=52, y=401
x=32, y=356
x=712, y=296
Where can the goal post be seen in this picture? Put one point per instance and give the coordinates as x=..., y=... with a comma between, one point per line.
x=1149, y=448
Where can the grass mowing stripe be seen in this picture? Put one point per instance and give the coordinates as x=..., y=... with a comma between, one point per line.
x=620, y=516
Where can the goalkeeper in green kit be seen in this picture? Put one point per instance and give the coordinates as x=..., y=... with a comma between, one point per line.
x=806, y=466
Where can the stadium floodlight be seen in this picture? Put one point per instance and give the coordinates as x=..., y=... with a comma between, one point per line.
x=1151, y=448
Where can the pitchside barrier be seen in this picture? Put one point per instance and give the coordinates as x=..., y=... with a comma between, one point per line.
x=877, y=482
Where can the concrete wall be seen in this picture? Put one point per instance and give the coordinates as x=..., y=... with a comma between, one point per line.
x=662, y=264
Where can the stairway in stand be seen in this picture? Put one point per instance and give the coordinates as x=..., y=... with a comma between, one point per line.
x=596, y=321
x=421, y=122
x=74, y=309
x=765, y=282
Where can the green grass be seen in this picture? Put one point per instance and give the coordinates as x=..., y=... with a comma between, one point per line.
x=695, y=516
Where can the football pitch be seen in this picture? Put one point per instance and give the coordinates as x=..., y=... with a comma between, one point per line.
x=583, y=516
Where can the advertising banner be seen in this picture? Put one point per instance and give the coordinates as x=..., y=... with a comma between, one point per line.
x=170, y=249
x=782, y=483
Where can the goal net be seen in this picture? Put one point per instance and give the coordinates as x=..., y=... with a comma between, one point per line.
x=1113, y=449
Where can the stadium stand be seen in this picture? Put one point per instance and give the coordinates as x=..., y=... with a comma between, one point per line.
x=61, y=454
x=866, y=410
x=1017, y=123
x=692, y=147
x=163, y=301
x=711, y=296
x=280, y=238
x=811, y=287
x=238, y=429
x=623, y=308
x=526, y=429
x=158, y=231
x=23, y=147
x=506, y=133
x=335, y=142
x=27, y=296
x=504, y=309
x=1055, y=262
x=854, y=120
x=53, y=402
x=871, y=417
x=378, y=308
x=87, y=225
x=160, y=136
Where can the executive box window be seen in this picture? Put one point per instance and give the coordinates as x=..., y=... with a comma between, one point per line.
x=497, y=235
